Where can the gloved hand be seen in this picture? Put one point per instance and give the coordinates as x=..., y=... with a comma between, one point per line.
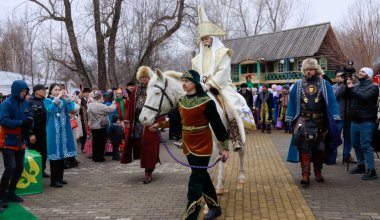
x=27, y=123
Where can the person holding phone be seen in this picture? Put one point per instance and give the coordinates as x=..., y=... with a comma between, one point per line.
x=60, y=139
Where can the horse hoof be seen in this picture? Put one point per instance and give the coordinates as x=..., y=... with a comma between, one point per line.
x=219, y=191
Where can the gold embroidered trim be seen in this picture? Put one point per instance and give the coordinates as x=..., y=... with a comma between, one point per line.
x=191, y=209
x=193, y=128
x=209, y=200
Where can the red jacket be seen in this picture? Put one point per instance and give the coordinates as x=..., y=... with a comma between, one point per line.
x=149, y=145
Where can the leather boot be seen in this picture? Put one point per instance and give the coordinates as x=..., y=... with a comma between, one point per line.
x=318, y=176
x=318, y=164
x=305, y=167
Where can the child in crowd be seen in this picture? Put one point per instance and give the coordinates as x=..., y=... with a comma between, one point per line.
x=116, y=135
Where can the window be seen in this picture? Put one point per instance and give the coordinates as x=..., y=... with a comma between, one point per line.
x=299, y=65
x=270, y=67
x=248, y=68
x=235, y=73
x=280, y=67
x=323, y=63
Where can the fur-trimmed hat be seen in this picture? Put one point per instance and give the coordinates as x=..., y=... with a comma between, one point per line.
x=311, y=63
x=144, y=71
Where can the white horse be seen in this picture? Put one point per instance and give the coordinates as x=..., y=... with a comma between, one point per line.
x=163, y=91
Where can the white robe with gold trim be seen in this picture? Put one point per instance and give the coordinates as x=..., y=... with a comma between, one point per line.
x=221, y=80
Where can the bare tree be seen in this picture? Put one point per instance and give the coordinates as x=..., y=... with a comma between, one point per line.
x=360, y=34
x=251, y=13
x=161, y=29
x=278, y=13
x=14, y=49
x=51, y=12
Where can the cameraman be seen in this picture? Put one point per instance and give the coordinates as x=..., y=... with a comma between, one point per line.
x=363, y=113
x=341, y=76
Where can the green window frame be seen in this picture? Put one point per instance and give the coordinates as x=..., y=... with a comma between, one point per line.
x=323, y=63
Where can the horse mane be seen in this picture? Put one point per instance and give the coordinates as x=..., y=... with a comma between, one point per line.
x=173, y=74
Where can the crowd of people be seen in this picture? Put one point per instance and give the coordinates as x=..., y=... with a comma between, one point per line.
x=318, y=112
x=52, y=122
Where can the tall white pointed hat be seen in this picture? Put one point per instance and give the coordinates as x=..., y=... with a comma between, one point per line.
x=205, y=27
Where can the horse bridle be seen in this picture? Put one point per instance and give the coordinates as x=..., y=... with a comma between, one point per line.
x=164, y=94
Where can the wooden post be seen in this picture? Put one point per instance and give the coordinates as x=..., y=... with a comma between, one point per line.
x=240, y=69
x=259, y=73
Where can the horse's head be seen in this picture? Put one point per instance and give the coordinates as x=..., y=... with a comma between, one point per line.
x=163, y=91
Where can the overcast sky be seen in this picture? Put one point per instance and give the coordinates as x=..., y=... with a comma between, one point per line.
x=322, y=10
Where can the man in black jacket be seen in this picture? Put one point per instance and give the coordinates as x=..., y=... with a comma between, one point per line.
x=247, y=94
x=363, y=114
x=38, y=139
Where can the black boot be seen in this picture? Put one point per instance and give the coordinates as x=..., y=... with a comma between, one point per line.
x=359, y=169
x=213, y=213
x=56, y=185
x=370, y=175
x=12, y=197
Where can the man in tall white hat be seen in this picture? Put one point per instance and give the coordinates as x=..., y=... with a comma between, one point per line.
x=213, y=63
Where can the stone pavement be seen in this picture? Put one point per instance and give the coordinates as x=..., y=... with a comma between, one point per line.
x=112, y=190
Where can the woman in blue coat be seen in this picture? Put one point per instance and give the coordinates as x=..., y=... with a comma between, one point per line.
x=60, y=139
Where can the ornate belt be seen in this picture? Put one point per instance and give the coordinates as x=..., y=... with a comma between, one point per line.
x=312, y=114
x=193, y=128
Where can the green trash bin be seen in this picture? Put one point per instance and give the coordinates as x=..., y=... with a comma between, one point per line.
x=31, y=178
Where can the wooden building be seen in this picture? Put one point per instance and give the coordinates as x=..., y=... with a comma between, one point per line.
x=277, y=57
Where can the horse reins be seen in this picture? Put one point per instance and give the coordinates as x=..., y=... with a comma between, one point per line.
x=183, y=163
x=164, y=94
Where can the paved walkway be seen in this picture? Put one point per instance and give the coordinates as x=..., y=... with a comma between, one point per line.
x=269, y=192
x=111, y=190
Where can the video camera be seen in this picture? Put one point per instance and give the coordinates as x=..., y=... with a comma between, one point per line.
x=348, y=73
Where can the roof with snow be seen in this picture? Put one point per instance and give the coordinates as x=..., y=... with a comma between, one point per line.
x=7, y=78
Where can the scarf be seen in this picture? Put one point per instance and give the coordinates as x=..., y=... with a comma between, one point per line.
x=121, y=102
